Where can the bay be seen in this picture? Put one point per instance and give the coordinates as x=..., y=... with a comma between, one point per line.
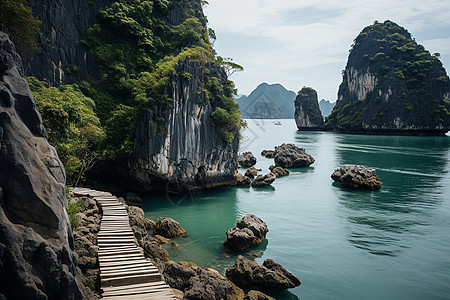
x=343, y=244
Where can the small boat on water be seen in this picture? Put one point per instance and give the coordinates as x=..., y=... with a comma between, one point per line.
x=277, y=123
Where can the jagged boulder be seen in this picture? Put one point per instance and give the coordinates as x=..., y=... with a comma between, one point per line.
x=270, y=276
x=137, y=218
x=357, y=177
x=252, y=172
x=257, y=295
x=246, y=159
x=264, y=180
x=37, y=260
x=242, y=180
x=168, y=228
x=268, y=153
x=291, y=156
x=279, y=171
x=307, y=111
x=200, y=283
x=249, y=231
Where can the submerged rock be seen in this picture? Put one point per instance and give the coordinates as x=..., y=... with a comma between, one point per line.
x=291, y=156
x=270, y=276
x=252, y=172
x=279, y=171
x=264, y=180
x=357, y=177
x=37, y=260
x=168, y=228
x=249, y=231
x=246, y=159
x=268, y=153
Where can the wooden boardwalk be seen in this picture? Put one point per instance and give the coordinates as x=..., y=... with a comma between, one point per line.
x=124, y=272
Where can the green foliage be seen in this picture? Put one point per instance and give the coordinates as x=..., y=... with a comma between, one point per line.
x=73, y=127
x=16, y=19
x=72, y=209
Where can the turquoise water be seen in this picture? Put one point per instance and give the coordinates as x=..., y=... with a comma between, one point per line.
x=342, y=244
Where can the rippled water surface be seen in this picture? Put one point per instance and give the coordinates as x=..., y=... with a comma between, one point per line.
x=343, y=244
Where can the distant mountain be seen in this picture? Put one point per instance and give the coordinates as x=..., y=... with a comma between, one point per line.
x=326, y=107
x=268, y=101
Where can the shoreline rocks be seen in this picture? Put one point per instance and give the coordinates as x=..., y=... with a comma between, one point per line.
x=357, y=177
x=249, y=231
x=291, y=156
x=268, y=153
x=242, y=180
x=270, y=276
x=279, y=171
x=168, y=228
x=264, y=180
x=246, y=159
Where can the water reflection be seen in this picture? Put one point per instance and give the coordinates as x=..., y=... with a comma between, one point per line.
x=411, y=169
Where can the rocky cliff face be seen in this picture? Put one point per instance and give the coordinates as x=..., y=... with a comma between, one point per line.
x=187, y=153
x=307, y=111
x=392, y=85
x=268, y=101
x=63, y=58
x=37, y=260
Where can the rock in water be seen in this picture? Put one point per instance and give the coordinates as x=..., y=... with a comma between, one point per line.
x=391, y=84
x=279, y=171
x=267, y=153
x=291, y=156
x=37, y=260
x=264, y=180
x=246, y=159
x=248, y=274
x=256, y=295
x=357, y=177
x=168, y=228
x=252, y=172
x=242, y=180
x=249, y=231
x=307, y=112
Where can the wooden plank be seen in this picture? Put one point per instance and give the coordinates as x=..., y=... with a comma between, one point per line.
x=129, y=268
x=126, y=280
x=149, y=290
x=132, y=286
x=121, y=273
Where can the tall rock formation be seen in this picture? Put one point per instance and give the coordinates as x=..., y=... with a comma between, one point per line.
x=267, y=101
x=189, y=153
x=64, y=58
x=37, y=260
x=391, y=84
x=307, y=112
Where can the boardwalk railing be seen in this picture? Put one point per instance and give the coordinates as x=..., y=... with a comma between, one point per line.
x=124, y=272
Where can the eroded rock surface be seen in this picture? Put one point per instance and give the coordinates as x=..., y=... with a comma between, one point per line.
x=252, y=172
x=268, y=153
x=279, y=171
x=37, y=258
x=246, y=159
x=168, y=228
x=264, y=180
x=269, y=276
x=249, y=231
x=291, y=156
x=357, y=177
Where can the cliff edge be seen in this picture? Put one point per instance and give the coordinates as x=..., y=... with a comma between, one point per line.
x=37, y=260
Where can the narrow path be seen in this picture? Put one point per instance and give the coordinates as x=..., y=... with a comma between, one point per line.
x=124, y=272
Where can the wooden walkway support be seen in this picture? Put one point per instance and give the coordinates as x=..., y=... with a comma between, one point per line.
x=124, y=272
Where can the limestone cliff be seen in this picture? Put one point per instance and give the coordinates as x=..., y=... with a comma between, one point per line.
x=391, y=84
x=307, y=111
x=187, y=153
x=63, y=59
x=37, y=260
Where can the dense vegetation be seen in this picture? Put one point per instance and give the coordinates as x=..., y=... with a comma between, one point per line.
x=72, y=126
x=16, y=19
x=309, y=95
x=416, y=78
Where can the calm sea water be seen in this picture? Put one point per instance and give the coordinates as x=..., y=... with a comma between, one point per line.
x=343, y=244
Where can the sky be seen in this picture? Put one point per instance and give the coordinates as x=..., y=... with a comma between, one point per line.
x=305, y=42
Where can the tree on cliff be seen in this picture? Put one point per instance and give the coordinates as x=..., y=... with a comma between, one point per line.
x=16, y=19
